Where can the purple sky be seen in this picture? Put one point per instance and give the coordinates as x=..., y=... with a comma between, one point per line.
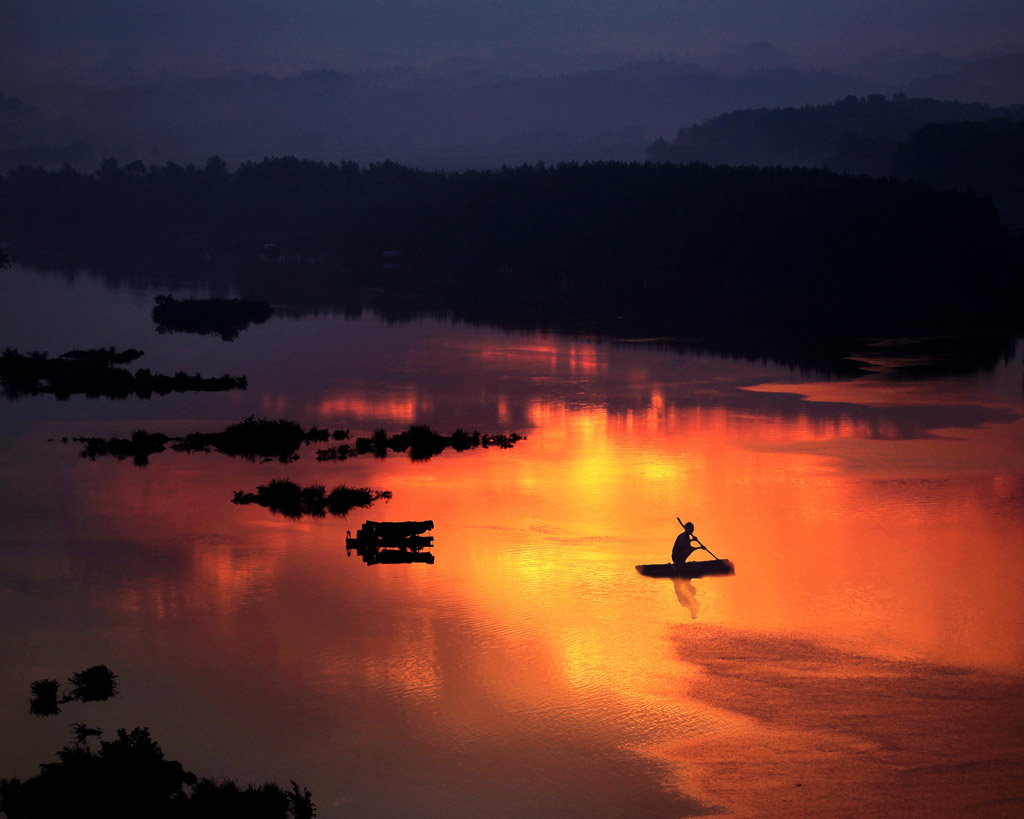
x=201, y=36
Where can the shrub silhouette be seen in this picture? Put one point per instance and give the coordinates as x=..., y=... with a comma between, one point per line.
x=293, y=501
x=44, y=698
x=95, y=684
x=129, y=777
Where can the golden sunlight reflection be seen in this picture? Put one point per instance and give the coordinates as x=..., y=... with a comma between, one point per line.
x=891, y=535
x=826, y=540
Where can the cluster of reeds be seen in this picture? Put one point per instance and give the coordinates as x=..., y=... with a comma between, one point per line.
x=139, y=447
x=420, y=441
x=93, y=373
x=287, y=498
x=253, y=438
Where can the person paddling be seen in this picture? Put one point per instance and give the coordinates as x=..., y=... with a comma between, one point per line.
x=682, y=549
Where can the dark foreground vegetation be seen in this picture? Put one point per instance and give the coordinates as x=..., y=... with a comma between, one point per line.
x=689, y=250
x=129, y=777
x=221, y=317
x=293, y=501
x=94, y=373
x=261, y=439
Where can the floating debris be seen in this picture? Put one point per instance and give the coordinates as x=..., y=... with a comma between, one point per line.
x=395, y=542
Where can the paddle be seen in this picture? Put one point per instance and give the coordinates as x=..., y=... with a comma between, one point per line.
x=705, y=548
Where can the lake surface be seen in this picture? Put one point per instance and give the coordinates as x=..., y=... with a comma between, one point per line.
x=866, y=658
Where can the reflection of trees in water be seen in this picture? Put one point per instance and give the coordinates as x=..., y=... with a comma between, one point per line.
x=760, y=254
x=220, y=317
x=265, y=440
x=293, y=501
x=686, y=593
x=420, y=441
x=93, y=373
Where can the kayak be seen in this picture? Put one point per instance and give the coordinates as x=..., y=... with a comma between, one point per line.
x=694, y=568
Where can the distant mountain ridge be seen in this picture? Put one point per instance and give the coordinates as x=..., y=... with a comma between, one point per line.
x=813, y=135
x=451, y=119
x=456, y=115
x=954, y=145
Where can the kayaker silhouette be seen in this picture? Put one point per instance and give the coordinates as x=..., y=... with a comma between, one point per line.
x=682, y=548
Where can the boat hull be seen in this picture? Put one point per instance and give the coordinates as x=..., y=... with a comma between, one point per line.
x=694, y=568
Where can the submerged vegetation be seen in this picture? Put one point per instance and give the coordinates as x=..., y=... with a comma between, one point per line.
x=266, y=440
x=293, y=501
x=221, y=317
x=94, y=373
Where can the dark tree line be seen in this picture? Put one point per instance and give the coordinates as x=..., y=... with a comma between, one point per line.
x=695, y=248
x=986, y=157
x=950, y=145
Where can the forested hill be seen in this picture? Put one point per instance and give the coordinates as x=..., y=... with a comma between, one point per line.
x=692, y=249
x=986, y=157
x=859, y=135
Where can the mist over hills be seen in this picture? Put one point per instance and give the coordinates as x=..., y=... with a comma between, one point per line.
x=858, y=135
x=951, y=145
x=460, y=113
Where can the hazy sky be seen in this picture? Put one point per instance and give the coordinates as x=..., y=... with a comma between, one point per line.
x=204, y=35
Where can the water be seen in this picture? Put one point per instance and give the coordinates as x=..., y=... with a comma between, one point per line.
x=867, y=654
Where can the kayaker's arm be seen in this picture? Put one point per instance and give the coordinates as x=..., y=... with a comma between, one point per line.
x=705, y=548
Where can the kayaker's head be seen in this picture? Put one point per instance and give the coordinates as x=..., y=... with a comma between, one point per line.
x=688, y=527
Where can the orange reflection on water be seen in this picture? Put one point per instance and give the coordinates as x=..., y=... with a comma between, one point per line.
x=858, y=532
x=401, y=409
x=550, y=356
